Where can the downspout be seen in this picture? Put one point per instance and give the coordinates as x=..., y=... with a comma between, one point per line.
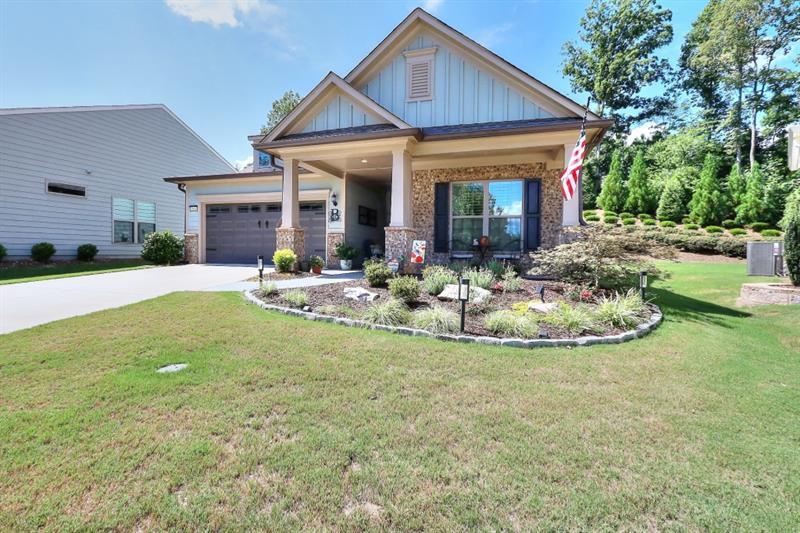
x=182, y=188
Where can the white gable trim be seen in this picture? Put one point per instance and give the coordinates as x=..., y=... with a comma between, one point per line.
x=314, y=99
x=400, y=35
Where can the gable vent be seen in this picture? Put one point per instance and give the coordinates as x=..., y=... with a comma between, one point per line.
x=419, y=74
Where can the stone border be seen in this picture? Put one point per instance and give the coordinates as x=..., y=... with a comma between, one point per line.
x=640, y=331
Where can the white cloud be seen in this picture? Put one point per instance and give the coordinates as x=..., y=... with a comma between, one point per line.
x=645, y=132
x=241, y=164
x=221, y=12
x=492, y=35
x=432, y=5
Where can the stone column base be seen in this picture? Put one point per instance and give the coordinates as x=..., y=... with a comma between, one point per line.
x=191, y=248
x=333, y=239
x=293, y=239
x=398, y=245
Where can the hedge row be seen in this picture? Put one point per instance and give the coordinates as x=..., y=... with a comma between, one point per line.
x=702, y=244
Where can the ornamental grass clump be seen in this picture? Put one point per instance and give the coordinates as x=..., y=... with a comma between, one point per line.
x=574, y=320
x=621, y=309
x=405, y=288
x=392, y=312
x=507, y=323
x=436, y=277
x=436, y=320
x=295, y=298
x=479, y=277
x=268, y=288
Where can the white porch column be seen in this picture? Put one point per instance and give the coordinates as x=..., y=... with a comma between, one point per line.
x=290, y=197
x=572, y=208
x=401, y=190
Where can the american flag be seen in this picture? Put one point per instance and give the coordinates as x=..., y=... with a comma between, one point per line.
x=571, y=175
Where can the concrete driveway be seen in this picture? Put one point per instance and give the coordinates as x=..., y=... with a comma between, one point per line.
x=23, y=305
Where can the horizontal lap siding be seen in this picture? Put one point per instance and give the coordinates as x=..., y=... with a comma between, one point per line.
x=127, y=151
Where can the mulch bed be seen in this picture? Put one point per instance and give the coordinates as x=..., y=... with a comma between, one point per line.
x=283, y=276
x=333, y=295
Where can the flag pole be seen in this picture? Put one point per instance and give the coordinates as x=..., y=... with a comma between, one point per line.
x=581, y=221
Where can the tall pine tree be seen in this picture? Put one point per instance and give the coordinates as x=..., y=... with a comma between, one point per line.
x=640, y=193
x=751, y=208
x=737, y=185
x=710, y=203
x=612, y=195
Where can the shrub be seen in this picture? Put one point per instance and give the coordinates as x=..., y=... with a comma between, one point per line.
x=667, y=224
x=644, y=216
x=574, y=320
x=758, y=227
x=268, y=288
x=86, y=252
x=479, y=277
x=485, y=306
x=589, y=212
x=691, y=226
x=3, y=252
x=628, y=221
x=623, y=216
x=621, y=310
x=610, y=214
x=649, y=222
x=731, y=247
x=389, y=313
x=284, y=260
x=714, y=229
x=295, y=298
x=436, y=277
x=687, y=220
x=511, y=281
x=346, y=252
x=405, y=288
x=610, y=219
x=510, y=324
x=791, y=226
x=436, y=320
x=599, y=258
x=729, y=224
x=591, y=218
x=42, y=251
x=345, y=310
x=770, y=233
x=496, y=267
x=316, y=261
x=162, y=248
x=377, y=272
x=737, y=231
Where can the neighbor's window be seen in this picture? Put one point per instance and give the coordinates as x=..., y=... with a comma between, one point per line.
x=124, y=220
x=492, y=208
x=133, y=220
x=65, y=188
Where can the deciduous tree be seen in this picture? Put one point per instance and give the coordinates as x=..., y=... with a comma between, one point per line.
x=280, y=108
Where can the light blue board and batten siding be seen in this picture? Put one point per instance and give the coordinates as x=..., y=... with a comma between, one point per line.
x=339, y=112
x=463, y=93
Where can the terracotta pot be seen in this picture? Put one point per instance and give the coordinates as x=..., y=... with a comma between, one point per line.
x=316, y=270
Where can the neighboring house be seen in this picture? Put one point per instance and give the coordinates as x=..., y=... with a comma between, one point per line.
x=75, y=175
x=431, y=136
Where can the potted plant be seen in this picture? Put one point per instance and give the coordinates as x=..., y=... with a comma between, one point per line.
x=346, y=254
x=316, y=263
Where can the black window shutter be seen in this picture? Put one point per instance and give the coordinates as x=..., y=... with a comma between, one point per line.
x=441, y=217
x=532, y=213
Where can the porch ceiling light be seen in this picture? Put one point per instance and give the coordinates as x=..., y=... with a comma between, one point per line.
x=363, y=160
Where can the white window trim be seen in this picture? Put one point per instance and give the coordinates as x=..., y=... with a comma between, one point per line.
x=47, y=190
x=415, y=57
x=135, y=236
x=486, y=216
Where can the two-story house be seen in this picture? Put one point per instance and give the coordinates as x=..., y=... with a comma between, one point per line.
x=431, y=136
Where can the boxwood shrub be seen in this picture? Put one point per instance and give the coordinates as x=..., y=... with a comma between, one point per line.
x=770, y=233
x=42, y=251
x=609, y=213
x=405, y=288
x=589, y=212
x=714, y=229
x=3, y=252
x=86, y=252
x=728, y=223
x=628, y=221
x=687, y=220
x=591, y=218
x=691, y=226
x=645, y=216
x=377, y=272
x=610, y=219
x=648, y=222
x=737, y=231
x=758, y=227
x=667, y=224
x=626, y=215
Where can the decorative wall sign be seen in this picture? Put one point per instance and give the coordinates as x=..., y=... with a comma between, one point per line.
x=334, y=215
x=367, y=216
x=193, y=208
x=418, y=251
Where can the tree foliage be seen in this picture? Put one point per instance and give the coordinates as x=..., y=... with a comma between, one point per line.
x=751, y=208
x=280, y=108
x=640, y=193
x=673, y=201
x=791, y=237
x=710, y=203
x=612, y=195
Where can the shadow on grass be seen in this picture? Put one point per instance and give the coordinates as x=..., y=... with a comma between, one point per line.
x=683, y=308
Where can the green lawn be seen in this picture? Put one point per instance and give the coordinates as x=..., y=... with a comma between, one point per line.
x=283, y=423
x=21, y=274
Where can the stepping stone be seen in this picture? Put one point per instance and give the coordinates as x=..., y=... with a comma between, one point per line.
x=358, y=293
x=476, y=294
x=172, y=368
x=540, y=307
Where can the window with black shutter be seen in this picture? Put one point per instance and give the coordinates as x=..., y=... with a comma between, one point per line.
x=533, y=188
x=441, y=218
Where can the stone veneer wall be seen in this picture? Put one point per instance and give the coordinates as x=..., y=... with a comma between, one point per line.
x=191, y=248
x=294, y=239
x=332, y=240
x=551, y=202
x=398, y=245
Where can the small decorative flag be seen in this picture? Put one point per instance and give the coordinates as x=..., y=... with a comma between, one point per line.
x=418, y=251
x=571, y=176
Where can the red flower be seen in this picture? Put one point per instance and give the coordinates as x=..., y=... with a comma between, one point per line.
x=586, y=294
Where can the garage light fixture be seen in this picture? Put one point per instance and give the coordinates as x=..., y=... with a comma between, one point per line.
x=363, y=160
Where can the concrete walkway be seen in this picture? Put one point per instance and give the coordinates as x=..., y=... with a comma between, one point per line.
x=23, y=305
x=327, y=277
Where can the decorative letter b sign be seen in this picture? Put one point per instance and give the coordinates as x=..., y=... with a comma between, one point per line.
x=418, y=251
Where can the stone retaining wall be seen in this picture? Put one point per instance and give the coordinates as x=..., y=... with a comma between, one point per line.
x=640, y=331
x=191, y=248
x=768, y=294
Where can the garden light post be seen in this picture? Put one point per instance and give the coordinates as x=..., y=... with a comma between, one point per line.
x=463, y=296
x=642, y=283
x=260, y=268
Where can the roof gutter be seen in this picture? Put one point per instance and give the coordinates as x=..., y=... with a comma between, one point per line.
x=387, y=134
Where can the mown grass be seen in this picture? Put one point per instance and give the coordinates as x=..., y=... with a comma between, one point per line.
x=694, y=427
x=24, y=273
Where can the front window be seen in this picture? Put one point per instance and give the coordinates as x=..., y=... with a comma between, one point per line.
x=133, y=220
x=146, y=219
x=492, y=208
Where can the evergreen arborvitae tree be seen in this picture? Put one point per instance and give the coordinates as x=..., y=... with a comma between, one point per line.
x=710, y=203
x=612, y=194
x=774, y=199
x=791, y=236
x=640, y=193
x=737, y=185
x=751, y=208
x=672, y=204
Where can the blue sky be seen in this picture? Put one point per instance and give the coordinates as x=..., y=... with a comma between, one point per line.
x=220, y=64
